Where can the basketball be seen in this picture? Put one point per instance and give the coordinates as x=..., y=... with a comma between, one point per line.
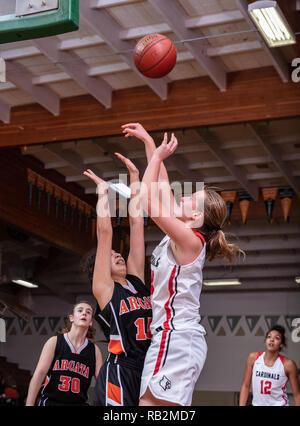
x=155, y=55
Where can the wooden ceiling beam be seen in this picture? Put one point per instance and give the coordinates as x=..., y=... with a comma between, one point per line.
x=252, y=95
x=108, y=29
x=173, y=14
x=213, y=144
x=22, y=78
x=276, y=156
x=74, y=66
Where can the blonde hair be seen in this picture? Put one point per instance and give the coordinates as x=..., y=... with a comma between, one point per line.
x=91, y=330
x=215, y=213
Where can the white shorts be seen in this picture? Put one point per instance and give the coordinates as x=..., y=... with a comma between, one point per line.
x=173, y=364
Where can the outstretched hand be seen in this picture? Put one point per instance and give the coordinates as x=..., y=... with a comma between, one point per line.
x=166, y=149
x=102, y=186
x=133, y=170
x=135, y=129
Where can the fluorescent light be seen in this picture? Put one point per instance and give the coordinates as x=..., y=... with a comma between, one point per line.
x=25, y=283
x=271, y=23
x=232, y=281
x=297, y=279
x=121, y=188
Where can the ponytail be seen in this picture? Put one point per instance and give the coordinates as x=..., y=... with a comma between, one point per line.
x=215, y=213
x=217, y=246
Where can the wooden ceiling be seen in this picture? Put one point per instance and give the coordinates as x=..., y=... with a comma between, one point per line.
x=230, y=100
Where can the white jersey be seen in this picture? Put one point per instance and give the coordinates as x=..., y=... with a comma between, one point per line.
x=175, y=290
x=178, y=348
x=269, y=383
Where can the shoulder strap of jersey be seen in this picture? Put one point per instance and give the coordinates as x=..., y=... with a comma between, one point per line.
x=199, y=235
x=282, y=358
x=258, y=355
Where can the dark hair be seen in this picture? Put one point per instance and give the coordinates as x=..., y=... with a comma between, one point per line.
x=91, y=330
x=280, y=330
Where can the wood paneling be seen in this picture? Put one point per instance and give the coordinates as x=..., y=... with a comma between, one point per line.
x=15, y=209
x=251, y=95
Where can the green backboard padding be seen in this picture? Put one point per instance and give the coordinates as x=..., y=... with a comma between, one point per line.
x=63, y=20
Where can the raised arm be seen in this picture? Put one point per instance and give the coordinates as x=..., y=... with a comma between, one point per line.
x=137, y=130
x=103, y=284
x=41, y=370
x=136, y=257
x=156, y=201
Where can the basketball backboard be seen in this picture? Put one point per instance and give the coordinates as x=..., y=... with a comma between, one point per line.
x=29, y=19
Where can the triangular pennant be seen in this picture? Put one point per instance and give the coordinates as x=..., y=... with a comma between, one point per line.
x=289, y=320
x=22, y=323
x=13, y=331
x=233, y=321
x=286, y=195
x=271, y=320
x=244, y=202
x=28, y=332
x=260, y=332
x=240, y=332
x=53, y=321
x=43, y=331
x=37, y=322
x=41, y=187
x=269, y=196
x=8, y=322
x=221, y=332
x=214, y=321
x=252, y=320
x=229, y=198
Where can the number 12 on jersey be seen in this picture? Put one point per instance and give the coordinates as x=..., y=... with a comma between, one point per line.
x=265, y=387
x=143, y=328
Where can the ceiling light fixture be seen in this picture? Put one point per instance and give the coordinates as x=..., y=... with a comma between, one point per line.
x=230, y=281
x=297, y=280
x=25, y=283
x=271, y=23
x=121, y=188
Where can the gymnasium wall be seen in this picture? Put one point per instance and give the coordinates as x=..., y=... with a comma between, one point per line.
x=235, y=323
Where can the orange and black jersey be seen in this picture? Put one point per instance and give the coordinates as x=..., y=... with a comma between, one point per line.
x=126, y=320
x=70, y=374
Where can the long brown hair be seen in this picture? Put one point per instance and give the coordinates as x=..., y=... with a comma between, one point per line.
x=91, y=330
x=215, y=213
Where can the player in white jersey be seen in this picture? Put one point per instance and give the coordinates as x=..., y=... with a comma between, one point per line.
x=269, y=372
x=178, y=349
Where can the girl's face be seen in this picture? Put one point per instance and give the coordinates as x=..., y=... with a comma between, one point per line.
x=191, y=209
x=82, y=315
x=274, y=341
x=118, y=264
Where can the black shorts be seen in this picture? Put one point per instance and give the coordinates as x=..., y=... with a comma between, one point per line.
x=118, y=384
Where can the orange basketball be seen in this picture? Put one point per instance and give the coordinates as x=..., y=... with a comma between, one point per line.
x=155, y=55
